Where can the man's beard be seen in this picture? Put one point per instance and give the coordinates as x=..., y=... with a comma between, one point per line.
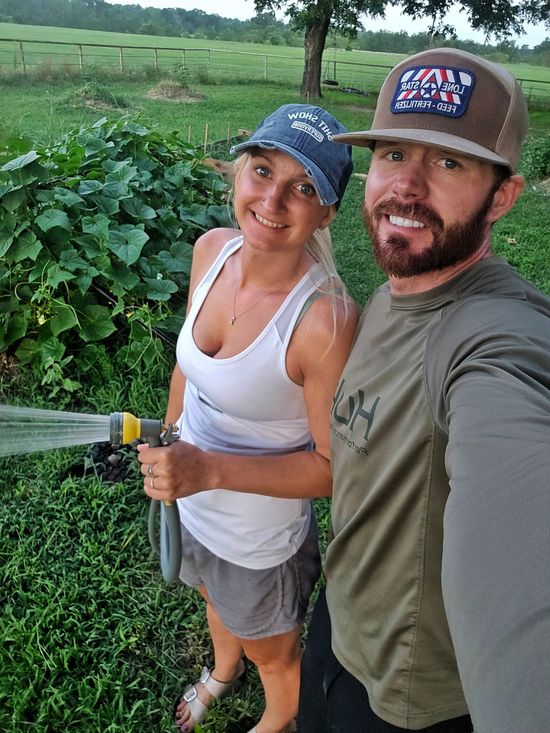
x=450, y=245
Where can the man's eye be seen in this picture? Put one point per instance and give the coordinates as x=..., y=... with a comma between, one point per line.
x=394, y=155
x=449, y=164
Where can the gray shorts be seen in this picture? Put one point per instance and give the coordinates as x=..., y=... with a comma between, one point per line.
x=254, y=604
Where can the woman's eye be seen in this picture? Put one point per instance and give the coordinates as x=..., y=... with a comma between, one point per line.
x=306, y=188
x=261, y=170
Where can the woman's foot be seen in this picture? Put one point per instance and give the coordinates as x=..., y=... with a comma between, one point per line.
x=197, y=698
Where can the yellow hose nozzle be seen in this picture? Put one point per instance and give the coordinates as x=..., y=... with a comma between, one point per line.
x=125, y=427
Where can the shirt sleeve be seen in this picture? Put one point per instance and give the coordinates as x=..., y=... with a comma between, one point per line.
x=488, y=375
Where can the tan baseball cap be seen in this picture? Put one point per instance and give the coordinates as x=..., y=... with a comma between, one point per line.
x=452, y=100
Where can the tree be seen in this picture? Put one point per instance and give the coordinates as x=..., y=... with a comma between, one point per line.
x=502, y=19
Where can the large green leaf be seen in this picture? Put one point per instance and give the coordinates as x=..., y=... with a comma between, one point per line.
x=26, y=351
x=138, y=209
x=127, y=242
x=122, y=278
x=160, y=289
x=97, y=225
x=67, y=197
x=166, y=262
x=105, y=205
x=50, y=347
x=13, y=200
x=56, y=275
x=17, y=326
x=172, y=324
x=71, y=260
x=63, y=318
x=89, y=186
x=8, y=224
x=121, y=171
x=21, y=162
x=26, y=246
x=53, y=218
x=96, y=323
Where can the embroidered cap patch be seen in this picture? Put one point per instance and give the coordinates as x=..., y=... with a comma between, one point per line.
x=442, y=90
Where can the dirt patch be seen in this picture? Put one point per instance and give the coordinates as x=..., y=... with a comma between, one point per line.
x=8, y=366
x=97, y=104
x=171, y=91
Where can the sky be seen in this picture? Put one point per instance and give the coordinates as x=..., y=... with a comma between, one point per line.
x=244, y=9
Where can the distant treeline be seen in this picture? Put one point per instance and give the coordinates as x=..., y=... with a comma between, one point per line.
x=263, y=28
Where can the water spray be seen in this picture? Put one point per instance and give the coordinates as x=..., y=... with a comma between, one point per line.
x=25, y=430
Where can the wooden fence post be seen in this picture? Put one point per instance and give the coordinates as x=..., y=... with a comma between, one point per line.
x=23, y=58
x=80, y=59
x=156, y=59
x=121, y=58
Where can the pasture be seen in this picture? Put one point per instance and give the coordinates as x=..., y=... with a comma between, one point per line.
x=23, y=50
x=91, y=639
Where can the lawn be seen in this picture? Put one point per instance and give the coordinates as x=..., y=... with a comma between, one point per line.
x=92, y=640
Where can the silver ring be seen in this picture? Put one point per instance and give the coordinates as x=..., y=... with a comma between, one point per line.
x=150, y=469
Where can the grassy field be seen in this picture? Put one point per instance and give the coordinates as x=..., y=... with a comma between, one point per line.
x=91, y=639
x=224, y=59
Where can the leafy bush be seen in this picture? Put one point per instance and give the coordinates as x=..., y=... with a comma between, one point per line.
x=535, y=159
x=96, y=237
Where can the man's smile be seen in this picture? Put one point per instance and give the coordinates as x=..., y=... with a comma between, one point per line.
x=399, y=221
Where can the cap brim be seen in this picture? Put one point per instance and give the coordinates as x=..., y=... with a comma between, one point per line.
x=442, y=140
x=325, y=191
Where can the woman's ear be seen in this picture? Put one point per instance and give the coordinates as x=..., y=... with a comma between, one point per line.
x=505, y=197
x=328, y=217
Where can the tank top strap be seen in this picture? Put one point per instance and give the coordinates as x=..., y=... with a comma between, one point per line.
x=295, y=301
x=224, y=254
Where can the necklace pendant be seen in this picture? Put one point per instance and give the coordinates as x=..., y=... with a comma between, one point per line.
x=233, y=319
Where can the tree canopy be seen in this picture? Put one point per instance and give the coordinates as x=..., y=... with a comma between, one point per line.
x=501, y=18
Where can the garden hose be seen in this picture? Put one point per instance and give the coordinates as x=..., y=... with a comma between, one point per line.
x=124, y=428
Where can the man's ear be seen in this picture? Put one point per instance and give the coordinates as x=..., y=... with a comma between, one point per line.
x=505, y=197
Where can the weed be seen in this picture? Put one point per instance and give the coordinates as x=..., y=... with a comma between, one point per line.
x=95, y=93
x=535, y=159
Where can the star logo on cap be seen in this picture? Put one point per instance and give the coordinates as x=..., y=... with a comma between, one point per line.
x=442, y=90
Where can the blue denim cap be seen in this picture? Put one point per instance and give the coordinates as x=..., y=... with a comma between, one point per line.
x=305, y=132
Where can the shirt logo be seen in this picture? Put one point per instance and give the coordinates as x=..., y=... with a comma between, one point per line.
x=443, y=90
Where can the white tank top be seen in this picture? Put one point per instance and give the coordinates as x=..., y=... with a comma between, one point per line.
x=246, y=404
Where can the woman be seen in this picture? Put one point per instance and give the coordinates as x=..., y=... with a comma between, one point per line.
x=267, y=333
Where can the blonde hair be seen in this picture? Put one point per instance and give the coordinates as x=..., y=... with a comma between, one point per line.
x=319, y=246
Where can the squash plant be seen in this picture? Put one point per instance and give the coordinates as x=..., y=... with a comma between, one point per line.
x=96, y=235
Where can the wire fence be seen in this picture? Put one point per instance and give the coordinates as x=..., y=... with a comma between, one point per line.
x=39, y=59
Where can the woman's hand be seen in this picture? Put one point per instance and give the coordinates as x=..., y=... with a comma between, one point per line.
x=173, y=471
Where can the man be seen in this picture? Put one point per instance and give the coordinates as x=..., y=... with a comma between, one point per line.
x=438, y=572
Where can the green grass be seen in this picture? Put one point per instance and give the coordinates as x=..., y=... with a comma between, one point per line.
x=91, y=638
